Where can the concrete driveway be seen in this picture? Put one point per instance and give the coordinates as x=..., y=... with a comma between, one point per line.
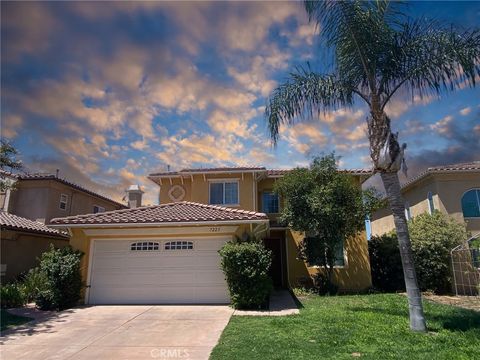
x=120, y=332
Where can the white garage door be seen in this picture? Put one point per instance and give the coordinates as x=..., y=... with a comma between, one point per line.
x=157, y=272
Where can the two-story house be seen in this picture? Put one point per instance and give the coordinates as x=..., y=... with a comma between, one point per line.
x=42, y=197
x=27, y=208
x=450, y=189
x=168, y=253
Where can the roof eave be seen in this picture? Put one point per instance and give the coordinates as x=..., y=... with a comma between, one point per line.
x=32, y=231
x=164, y=224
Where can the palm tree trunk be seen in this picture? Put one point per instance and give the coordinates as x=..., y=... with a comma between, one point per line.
x=394, y=195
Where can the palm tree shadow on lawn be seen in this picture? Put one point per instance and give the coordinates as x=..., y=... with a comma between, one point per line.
x=452, y=319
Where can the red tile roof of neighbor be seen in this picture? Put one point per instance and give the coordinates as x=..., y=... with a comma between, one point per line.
x=14, y=222
x=473, y=166
x=180, y=212
x=40, y=176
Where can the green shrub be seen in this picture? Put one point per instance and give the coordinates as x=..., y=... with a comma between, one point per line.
x=246, y=268
x=61, y=268
x=34, y=281
x=12, y=295
x=385, y=263
x=432, y=237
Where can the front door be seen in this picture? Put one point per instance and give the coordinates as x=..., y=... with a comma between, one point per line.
x=276, y=270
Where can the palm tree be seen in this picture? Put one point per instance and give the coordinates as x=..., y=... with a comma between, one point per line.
x=377, y=52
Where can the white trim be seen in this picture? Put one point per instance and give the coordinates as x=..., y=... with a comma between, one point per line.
x=161, y=231
x=165, y=224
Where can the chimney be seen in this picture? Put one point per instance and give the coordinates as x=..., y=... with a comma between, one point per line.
x=134, y=196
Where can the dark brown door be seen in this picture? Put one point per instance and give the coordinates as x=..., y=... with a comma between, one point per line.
x=275, y=245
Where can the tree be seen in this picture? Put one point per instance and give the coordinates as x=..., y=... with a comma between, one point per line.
x=377, y=52
x=8, y=161
x=327, y=206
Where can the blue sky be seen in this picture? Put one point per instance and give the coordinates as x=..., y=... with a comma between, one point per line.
x=109, y=92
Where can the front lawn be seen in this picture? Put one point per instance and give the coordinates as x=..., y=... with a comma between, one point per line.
x=346, y=327
x=8, y=320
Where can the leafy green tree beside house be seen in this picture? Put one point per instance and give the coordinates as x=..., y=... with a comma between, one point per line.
x=377, y=52
x=328, y=207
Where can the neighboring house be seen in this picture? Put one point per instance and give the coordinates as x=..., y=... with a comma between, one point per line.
x=41, y=197
x=451, y=189
x=33, y=201
x=168, y=253
x=22, y=242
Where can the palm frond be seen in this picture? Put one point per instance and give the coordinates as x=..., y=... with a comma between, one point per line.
x=305, y=93
x=425, y=58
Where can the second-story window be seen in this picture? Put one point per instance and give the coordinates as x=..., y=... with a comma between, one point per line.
x=63, y=201
x=98, y=209
x=269, y=202
x=223, y=193
x=431, y=205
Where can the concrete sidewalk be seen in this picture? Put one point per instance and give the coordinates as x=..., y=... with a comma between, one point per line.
x=119, y=332
x=281, y=304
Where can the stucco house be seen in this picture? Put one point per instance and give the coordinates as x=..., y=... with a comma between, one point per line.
x=41, y=197
x=22, y=242
x=25, y=209
x=451, y=189
x=168, y=253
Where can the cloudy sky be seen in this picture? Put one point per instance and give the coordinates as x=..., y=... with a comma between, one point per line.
x=109, y=92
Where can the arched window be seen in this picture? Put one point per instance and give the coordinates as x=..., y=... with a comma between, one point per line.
x=471, y=203
x=431, y=206
x=144, y=246
x=179, y=245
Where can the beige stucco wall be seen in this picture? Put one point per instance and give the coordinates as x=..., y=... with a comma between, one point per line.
x=354, y=276
x=40, y=200
x=447, y=191
x=198, y=190
x=20, y=251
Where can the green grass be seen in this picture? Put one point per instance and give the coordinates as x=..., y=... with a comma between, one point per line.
x=8, y=320
x=342, y=327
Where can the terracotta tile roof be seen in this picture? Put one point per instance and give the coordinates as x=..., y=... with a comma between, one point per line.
x=281, y=172
x=452, y=168
x=212, y=169
x=41, y=176
x=14, y=222
x=269, y=172
x=180, y=212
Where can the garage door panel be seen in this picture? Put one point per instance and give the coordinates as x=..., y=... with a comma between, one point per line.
x=123, y=276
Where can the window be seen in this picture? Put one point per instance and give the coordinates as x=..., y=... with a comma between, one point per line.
x=269, y=202
x=340, y=256
x=63, y=201
x=98, y=209
x=179, y=245
x=471, y=203
x=431, y=206
x=224, y=193
x=408, y=213
x=145, y=246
